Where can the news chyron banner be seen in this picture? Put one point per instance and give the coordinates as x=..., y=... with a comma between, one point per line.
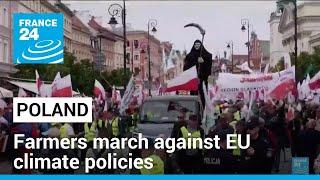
x=38, y=38
x=53, y=110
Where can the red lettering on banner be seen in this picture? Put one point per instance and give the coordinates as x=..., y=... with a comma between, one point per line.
x=256, y=79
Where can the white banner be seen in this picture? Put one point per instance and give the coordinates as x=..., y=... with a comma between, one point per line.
x=232, y=85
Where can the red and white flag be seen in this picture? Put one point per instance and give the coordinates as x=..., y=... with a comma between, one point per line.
x=315, y=82
x=98, y=90
x=281, y=90
x=290, y=114
x=22, y=93
x=62, y=87
x=188, y=81
x=284, y=85
x=56, y=77
x=39, y=82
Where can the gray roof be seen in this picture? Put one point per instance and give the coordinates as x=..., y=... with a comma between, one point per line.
x=172, y=97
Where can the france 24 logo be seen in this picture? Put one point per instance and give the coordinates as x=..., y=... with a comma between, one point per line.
x=38, y=38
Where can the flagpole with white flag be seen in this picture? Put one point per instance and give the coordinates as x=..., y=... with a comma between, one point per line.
x=39, y=83
x=208, y=116
x=125, y=101
x=62, y=87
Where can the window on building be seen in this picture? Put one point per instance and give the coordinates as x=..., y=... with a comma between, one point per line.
x=136, y=70
x=5, y=52
x=136, y=44
x=136, y=57
x=128, y=56
x=128, y=43
x=5, y=17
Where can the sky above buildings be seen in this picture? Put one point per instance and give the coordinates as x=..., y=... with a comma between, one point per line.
x=220, y=19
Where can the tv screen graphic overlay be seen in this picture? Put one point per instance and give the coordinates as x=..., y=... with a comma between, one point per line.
x=38, y=38
x=159, y=87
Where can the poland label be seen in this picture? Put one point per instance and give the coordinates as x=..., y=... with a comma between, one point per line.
x=38, y=38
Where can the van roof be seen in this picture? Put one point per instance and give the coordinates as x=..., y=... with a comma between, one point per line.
x=172, y=97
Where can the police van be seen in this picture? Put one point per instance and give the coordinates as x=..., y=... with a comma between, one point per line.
x=159, y=113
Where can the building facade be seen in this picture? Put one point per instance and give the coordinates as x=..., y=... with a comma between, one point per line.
x=6, y=61
x=138, y=52
x=81, y=43
x=276, y=47
x=104, y=42
x=118, y=52
x=259, y=52
x=67, y=26
x=308, y=19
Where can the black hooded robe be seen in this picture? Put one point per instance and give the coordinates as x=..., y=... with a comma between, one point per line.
x=203, y=69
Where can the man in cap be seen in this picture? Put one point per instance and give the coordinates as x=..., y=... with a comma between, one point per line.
x=190, y=160
x=260, y=150
x=309, y=141
x=180, y=123
x=219, y=161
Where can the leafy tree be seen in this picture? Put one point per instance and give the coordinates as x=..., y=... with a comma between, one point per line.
x=82, y=73
x=308, y=64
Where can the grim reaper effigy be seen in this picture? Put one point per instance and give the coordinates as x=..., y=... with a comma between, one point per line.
x=202, y=59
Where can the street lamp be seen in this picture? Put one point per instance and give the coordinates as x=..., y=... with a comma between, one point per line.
x=228, y=46
x=116, y=10
x=152, y=23
x=143, y=46
x=245, y=22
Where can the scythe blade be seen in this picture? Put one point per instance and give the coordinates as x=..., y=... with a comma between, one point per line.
x=202, y=31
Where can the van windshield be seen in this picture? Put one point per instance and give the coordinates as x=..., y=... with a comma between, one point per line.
x=167, y=111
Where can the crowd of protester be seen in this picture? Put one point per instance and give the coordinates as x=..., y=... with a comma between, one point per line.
x=271, y=133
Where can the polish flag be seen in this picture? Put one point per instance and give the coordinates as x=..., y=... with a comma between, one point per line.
x=22, y=93
x=290, y=114
x=62, y=87
x=281, y=90
x=315, y=82
x=188, y=81
x=99, y=90
x=39, y=82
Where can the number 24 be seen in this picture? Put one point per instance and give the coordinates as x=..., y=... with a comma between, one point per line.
x=26, y=35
